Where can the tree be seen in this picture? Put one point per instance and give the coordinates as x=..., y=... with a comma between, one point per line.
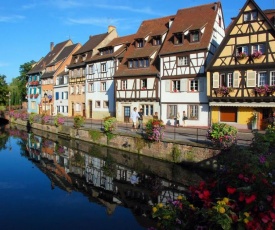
x=4, y=90
x=23, y=79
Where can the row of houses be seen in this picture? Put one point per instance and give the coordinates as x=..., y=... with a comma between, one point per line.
x=183, y=62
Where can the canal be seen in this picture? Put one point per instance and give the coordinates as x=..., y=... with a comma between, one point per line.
x=49, y=182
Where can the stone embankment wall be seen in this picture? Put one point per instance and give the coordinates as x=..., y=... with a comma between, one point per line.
x=171, y=151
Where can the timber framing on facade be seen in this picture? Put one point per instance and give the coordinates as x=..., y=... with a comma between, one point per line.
x=241, y=76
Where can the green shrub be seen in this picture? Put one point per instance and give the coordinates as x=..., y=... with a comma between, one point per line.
x=109, y=123
x=95, y=135
x=78, y=121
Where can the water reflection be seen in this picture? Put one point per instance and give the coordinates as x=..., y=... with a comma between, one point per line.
x=106, y=176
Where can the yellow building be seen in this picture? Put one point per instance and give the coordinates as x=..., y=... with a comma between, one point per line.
x=241, y=76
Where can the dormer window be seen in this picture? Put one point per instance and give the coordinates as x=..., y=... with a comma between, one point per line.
x=139, y=43
x=108, y=50
x=75, y=59
x=157, y=41
x=84, y=57
x=195, y=36
x=178, y=38
x=250, y=16
x=138, y=63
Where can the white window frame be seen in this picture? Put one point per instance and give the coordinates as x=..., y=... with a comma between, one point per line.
x=124, y=84
x=103, y=86
x=173, y=114
x=91, y=87
x=103, y=67
x=148, y=110
x=193, y=112
x=229, y=80
x=262, y=80
x=272, y=77
x=183, y=61
x=175, y=85
x=194, y=83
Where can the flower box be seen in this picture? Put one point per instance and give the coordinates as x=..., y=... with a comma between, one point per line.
x=36, y=95
x=223, y=91
x=31, y=95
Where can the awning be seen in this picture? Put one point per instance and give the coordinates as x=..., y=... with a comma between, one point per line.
x=244, y=104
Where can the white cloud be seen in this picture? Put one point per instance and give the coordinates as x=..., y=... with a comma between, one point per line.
x=93, y=21
x=12, y=18
x=3, y=64
x=146, y=10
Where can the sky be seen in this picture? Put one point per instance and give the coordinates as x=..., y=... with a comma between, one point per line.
x=28, y=27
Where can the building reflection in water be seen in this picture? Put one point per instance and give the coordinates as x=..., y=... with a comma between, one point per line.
x=101, y=179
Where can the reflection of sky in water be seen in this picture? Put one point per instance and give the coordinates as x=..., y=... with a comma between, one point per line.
x=28, y=201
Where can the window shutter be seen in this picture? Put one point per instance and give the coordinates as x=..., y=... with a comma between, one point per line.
x=251, y=79
x=236, y=80
x=56, y=95
x=216, y=82
x=183, y=85
x=167, y=85
x=201, y=84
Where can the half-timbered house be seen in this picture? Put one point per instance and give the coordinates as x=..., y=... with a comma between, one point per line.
x=100, y=69
x=241, y=76
x=137, y=78
x=193, y=37
x=77, y=70
x=37, y=102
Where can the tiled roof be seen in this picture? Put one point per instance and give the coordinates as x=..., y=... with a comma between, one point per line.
x=64, y=54
x=91, y=43
x=153, y=27
x=193, y=18
x=49, y=57
x=123, y=41
x=47, y=74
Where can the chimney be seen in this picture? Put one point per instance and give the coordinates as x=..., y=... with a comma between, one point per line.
x=51, y=46
x=111, y=28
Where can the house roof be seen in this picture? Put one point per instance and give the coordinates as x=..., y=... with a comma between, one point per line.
x=123, y=41
x=91, y=43
x=147, y=29
x=49, y=57
x=64, y=54
x=188, y=19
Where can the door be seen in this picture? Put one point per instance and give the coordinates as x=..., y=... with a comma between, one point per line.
x=90, y=109
x=83, y=110
x=127, y=113
x=72, y=109
x=228, y=114
x=263, y=118
x=52, y=109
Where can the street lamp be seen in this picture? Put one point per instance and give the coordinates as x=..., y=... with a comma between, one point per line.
x=45, y=97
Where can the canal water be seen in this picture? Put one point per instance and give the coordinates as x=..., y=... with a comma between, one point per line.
x=50, y=182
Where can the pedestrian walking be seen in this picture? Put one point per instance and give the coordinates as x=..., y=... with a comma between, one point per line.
x=184, y=118
x=140, y=119
x=177, y=119
x=134, y=117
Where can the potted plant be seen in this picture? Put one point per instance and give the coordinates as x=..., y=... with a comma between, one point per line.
x=59, y=120
x=257, y=54
x=241, y=55
x=78, y=121
x=109, y=123
x=154, y=129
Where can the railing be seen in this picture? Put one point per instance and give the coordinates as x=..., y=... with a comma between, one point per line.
x=196, y=135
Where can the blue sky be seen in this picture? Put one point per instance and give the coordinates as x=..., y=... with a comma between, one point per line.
x=28, y=26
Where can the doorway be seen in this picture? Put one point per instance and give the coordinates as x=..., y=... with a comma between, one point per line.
x=263, y=117
x=127, y=112
x=90, y=109
x=83, y=110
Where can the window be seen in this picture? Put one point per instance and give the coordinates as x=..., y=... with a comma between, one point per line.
x=57, y=95
x=148, y=110
x=77, y=107
x=124, y=84
x=103, y=67
x=83, y=89
x=229, y=80
x=176, y=86
x=65, y=95
x=172, y=111
x=157, y=41
x=58, y=109
x=72, y=89
x=97, y=104
x=195, y=36
x=65, y=79
x=139, y=43
x=103, y=86
x=194, y=85
x=77, y=90
x=105, y=104
x=220, y=21
x=242, y=49
x=258, y=48
x=91, y=69
x=143, y=84
x=140, y=63
x=250, y=16
x=182, y=61
x=262, y=79
x=193, y=112
x=178, y=39
x=272, y=78
x=91, y=87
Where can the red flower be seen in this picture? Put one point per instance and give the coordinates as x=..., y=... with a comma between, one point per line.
x=231, y=190
x=250, y=199
x=241, y=196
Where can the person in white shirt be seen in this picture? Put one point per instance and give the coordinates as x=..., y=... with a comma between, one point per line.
x=134, y=117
